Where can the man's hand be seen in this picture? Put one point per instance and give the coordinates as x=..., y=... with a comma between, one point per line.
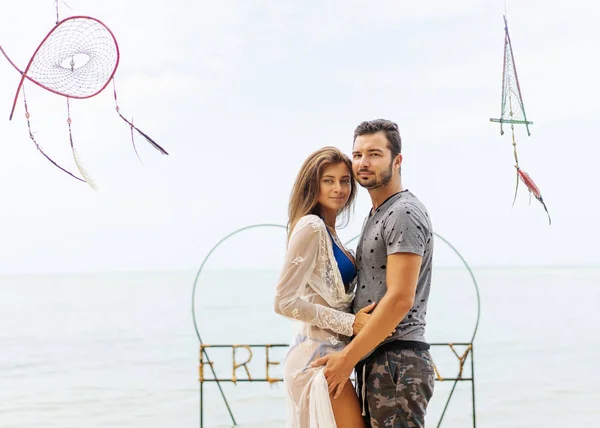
x=338, y=369
x=361, y=318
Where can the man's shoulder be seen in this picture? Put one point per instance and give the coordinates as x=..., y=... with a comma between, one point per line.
x=412, y=205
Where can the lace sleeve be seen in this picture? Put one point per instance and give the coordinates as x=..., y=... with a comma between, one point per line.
x=299, y=263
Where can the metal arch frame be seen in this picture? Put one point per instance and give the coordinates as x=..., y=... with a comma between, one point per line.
x=255, y=226
x=213, y=249
x=203, y=350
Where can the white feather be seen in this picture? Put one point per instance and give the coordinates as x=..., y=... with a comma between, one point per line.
x=82, y=170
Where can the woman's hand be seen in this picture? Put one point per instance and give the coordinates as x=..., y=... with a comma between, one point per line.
x=362, y=317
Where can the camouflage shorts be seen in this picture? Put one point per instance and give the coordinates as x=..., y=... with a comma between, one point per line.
x=398, y=386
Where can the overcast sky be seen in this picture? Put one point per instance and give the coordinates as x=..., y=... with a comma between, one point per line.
x=240, y=92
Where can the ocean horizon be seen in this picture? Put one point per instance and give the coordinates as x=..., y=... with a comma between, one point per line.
x=119, y=348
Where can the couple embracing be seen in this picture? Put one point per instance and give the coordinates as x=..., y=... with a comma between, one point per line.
x=360, y=311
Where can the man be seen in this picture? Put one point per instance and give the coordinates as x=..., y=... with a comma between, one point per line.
x=395, y=375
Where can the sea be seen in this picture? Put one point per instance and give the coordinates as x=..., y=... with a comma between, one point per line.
x=121, y=349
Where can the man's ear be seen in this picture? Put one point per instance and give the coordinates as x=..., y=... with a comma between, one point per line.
x=398, y=161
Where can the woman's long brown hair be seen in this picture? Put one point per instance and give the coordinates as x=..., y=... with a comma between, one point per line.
x=303, y=199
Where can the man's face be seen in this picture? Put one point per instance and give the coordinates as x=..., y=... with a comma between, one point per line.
x=372, y=162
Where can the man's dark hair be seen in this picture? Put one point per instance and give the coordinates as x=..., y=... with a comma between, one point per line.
x=389, y=128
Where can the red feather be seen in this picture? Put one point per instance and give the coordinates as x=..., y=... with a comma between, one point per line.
x=528, y=181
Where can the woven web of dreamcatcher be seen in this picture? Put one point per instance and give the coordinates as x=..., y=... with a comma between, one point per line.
x=77, y=59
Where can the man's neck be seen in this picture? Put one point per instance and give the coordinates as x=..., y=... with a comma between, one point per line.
x=380, y=195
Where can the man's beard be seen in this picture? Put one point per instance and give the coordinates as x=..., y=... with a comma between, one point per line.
x=378, y=182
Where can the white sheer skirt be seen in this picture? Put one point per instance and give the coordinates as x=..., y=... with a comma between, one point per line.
x=308, y=404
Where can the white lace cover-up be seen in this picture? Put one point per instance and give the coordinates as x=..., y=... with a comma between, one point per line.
x=311, y=292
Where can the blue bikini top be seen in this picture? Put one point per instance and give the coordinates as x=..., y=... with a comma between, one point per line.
x=345, y=265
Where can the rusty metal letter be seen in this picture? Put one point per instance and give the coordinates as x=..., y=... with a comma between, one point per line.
x=270, y=363
x=236, y=365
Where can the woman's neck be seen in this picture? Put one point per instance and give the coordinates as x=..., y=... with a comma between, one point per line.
x=329, y=219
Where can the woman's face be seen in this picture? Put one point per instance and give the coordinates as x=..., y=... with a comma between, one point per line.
x=334, y=188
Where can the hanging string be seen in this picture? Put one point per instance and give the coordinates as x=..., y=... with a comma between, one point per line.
x=56, y=5
x=514, y=142
x=27, y=116
x=132, y=126
x=512, y=128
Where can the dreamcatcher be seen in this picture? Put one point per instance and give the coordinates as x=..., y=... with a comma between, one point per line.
x=77, y=59
x=513, y=113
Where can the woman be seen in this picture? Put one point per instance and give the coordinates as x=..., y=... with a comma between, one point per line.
x=316, y=288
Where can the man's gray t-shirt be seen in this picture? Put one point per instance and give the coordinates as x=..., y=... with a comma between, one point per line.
x=400, y=225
